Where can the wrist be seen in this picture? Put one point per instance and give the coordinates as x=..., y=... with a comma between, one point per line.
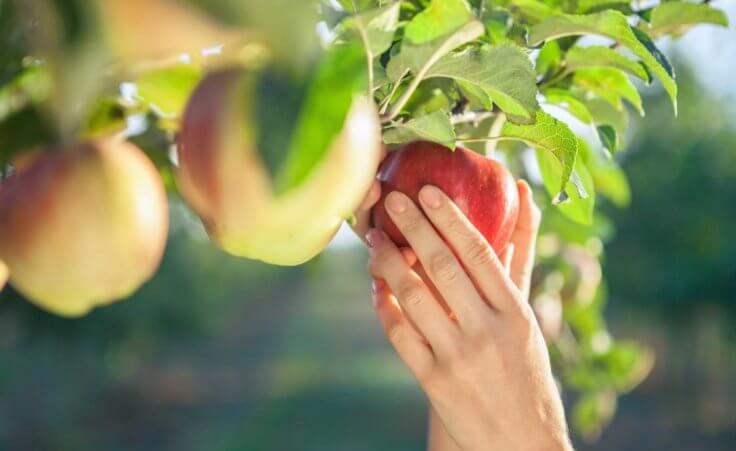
x=555, y=442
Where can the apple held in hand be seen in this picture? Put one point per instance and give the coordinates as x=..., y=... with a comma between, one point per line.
x=224, y=179
x=482, y=188
x=83, y=226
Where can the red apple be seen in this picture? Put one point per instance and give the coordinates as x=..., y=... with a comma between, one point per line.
x=483, y=188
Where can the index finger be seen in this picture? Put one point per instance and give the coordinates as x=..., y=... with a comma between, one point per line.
x=471, y=247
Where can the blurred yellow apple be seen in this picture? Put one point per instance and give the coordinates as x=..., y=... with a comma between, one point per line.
x=82, y=226
x=3, y=275
x=153, y=29
x=223, y=178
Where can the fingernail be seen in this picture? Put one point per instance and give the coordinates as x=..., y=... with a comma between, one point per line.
x=374, y=237
x=431, y=196
x=396, y=202
x=377, y=285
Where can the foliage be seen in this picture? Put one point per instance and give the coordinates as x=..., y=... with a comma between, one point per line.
x=496, y=76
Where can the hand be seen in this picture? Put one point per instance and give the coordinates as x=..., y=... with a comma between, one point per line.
x=485, y=367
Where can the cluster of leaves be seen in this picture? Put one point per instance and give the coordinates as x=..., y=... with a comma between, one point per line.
x=545, y=84
x=541, y=84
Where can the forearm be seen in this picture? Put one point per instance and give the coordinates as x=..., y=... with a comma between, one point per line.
x=438, y=439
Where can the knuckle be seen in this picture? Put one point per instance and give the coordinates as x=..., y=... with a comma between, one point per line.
x=395, y=335
x=410, y=224
x=411, y=294
x=458, y=226
x=479, y=252
x=444, y=267
x=452, y=221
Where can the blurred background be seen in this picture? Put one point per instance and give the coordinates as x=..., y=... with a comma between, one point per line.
x=218, y=353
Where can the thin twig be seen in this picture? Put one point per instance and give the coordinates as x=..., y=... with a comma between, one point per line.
x=473, y=117
x=495, y=133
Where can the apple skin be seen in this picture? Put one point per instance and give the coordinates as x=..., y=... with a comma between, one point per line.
x=3, y=275
x=82, y=226
x=178, y=27
x=223, y=179
x=481, y=187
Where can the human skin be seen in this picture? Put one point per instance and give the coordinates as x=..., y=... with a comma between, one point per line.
x=484, y=366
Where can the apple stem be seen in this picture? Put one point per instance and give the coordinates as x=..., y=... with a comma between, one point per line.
x=494, y=133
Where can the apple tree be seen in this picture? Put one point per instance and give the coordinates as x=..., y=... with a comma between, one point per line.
x=271, y=132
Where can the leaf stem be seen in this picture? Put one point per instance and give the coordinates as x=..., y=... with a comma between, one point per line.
x=388, y=98
x=468, y=32
x=471, y=117
x=554, y=79
x=481, y=140
x=494, y=133
x=399, y=105
x=368, y=52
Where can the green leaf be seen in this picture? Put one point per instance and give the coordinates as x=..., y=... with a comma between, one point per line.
x=607, y=135
x=16, y=37
x=677, y=17
x=609, y=84
x=602, y=56
x=613, y=25
x=430, y=96
x=356, y=5
x=591, y=6
x=108, y=116
x=529, y=11
x=419, y=58
x=605, y=114
x=551, y=135
x=167, y=90
x=497, y=22
x=436, y=127
x=550, y=57
x=375, y=28
x=31, y=86
x=627, y=365
x=564, y=98
x=478, y=99
x=503, y=71
x=579, y=208
x=439, y=19
x=610, y=181
x=24, y=130
x=340, y=77
x=592, y=412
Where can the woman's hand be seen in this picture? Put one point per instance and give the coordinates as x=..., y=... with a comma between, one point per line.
x=485, y=366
